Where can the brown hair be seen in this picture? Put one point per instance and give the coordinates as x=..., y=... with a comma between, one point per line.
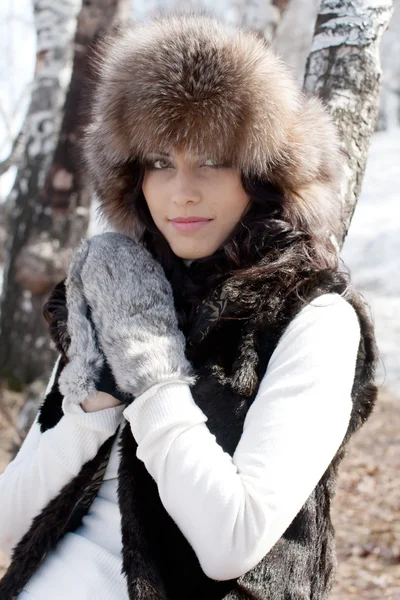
x=264, y=244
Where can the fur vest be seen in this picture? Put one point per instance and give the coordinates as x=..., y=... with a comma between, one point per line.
x=229, y=346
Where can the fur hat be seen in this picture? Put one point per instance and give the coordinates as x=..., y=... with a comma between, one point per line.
x=192, y=82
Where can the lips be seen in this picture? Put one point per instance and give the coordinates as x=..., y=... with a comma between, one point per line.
x=189, y=219
x=190, y=223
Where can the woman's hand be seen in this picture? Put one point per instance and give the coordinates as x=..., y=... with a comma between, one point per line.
x=99, y=401
x=133, y=311
x=87, y=372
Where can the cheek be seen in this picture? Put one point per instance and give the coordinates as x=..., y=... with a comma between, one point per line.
x=152, y=192
x=232, y=202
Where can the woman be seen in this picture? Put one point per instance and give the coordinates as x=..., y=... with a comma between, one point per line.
x=214, y=360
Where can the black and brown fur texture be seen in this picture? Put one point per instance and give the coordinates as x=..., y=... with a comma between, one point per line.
x=193, y=83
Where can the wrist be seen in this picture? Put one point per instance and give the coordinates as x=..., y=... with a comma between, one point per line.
x=99, y=401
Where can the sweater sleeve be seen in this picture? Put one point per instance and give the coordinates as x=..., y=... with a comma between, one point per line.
x=232, y=510
x=47, y=461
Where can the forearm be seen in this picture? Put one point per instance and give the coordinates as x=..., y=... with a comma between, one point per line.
x=46, y=462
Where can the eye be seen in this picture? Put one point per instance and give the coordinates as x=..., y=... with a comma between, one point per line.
x=210, y=163
x=160, y=161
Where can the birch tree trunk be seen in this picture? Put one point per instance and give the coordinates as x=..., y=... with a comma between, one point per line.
x=48, y=214
x=344, y=70
x=55, y=23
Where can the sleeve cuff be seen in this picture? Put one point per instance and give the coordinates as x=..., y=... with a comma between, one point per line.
x=78, y=436
x=105, y=420
x=163, y=406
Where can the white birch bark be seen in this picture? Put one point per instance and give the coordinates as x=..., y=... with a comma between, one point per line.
x=50, y=203
x=55, y=23
x=344, y=70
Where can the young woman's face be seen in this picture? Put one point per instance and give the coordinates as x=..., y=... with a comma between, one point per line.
x=180, y=186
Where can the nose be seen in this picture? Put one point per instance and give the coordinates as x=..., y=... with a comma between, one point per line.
x=185, y=190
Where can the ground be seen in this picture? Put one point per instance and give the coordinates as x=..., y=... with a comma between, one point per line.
x=366, y=511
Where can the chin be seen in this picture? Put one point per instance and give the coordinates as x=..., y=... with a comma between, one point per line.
x=194, y=254
x=189, y=255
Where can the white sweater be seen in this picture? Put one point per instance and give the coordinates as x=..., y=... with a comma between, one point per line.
x=232, y=510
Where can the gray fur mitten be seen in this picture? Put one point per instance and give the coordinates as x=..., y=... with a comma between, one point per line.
x=80, y=375
x=134, y=314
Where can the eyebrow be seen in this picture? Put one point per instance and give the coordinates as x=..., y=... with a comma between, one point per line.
x=153, y=154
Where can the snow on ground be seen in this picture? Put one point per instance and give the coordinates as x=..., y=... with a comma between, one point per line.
x=372, y=250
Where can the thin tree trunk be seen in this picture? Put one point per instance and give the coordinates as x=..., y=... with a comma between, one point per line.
x=54, y=22
x=49, y=214
x=344, y=70
x=261, y=15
